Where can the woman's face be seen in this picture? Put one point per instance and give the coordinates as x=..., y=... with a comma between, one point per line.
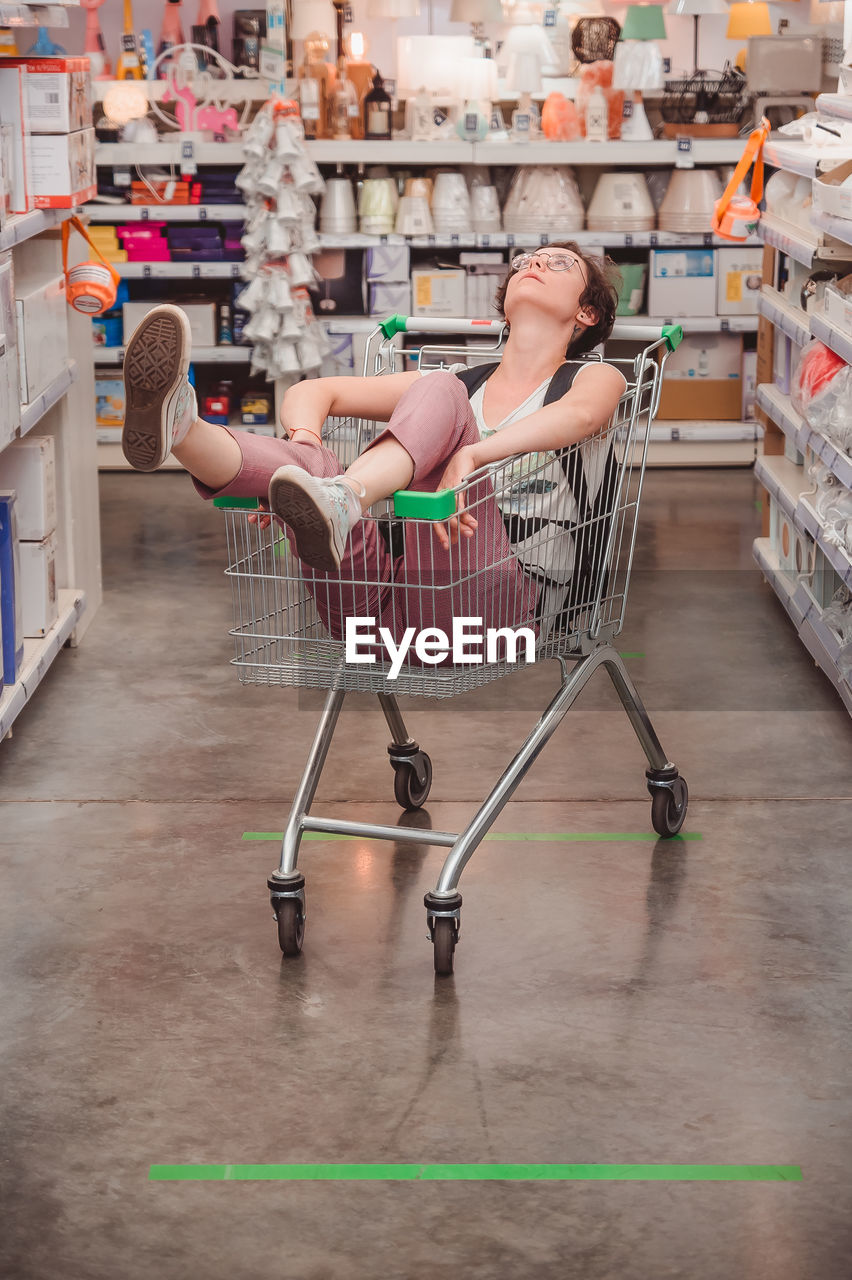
x=555, y=289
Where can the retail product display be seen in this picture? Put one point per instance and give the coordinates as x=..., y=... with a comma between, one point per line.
x=377, y=110
x=11, y=619
x=638, y=65
x=338, y=215
x=621, y=202
x=93, y=42
x=451, y=202
x=689, y=200
x=821, y=391
x=277, y=182
x=599, y=106
x=559, y=119
x=543, y=195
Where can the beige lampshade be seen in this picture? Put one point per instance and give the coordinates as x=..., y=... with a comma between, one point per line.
x=312, y=15
x=476, y=11
x=393, y=8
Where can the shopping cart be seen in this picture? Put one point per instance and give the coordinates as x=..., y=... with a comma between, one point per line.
x=559, y=587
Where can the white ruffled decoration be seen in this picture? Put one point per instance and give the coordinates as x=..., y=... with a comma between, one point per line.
x=277, y=182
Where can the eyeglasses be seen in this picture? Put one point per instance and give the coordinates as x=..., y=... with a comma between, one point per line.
x=553, y=261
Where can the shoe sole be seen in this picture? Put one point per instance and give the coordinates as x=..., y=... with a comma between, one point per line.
x=155, y=364
x=296, y=500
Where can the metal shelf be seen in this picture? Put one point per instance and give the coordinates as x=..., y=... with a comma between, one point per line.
x=166, y=212
x=789, y=239
x=783, y=479
x=836, y=105
x=178, y=270
x=790, y=319
x=200, y=355
x=783, y=583
x=167, y=152
x=32, y=414
x=839, y=340
x=630, y=154
x=22, y=226
x=780, y=410
x=38, y=655
x=840, y=228
x=809, y=522
x=803, y=158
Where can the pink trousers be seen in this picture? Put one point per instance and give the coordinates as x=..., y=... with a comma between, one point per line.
x=413, y=582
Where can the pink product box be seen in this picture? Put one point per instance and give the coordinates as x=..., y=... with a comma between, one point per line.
x=148, y=251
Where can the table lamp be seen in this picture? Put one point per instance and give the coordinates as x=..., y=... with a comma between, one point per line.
x=638, y=66
x=526, y=49
x=695, y=9
x=750, y=18
x=476, y=12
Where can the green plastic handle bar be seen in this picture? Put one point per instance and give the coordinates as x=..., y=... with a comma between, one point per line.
x=248, y=504
x=673, y=335
x=413, y=505
x=393, y=325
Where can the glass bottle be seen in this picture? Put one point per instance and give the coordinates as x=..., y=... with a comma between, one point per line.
x=377, y=111
x=310, y=105
x=344, y=108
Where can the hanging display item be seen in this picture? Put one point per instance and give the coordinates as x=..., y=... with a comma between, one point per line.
x=90, y=287
x=735, y=217
x=277, y=182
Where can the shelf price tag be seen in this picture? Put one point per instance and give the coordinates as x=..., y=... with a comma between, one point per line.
x=144, y=213
x=235, y=271
x=628, y=240
x=196, y=271
x=121, y=175
x=146, y=271
x=187, y=157
x=653, y=239
x=684, y=158
x=454, y=237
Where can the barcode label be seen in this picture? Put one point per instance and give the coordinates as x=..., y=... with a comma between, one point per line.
x=52, y=98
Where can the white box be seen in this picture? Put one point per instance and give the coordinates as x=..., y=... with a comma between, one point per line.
x=201, y=316
x=481, y=287
x=711, y=356
x=29, y=467
x=437, y=293
x=12, y=112
x=389, y=263
x=837, y=301
x=681, y=282
x=829, y=196
x=62, y=169
x=739, y=275
x=38, y=586
x=58, y=94
x=10, y=382
x=389, y=299
x=42, y=332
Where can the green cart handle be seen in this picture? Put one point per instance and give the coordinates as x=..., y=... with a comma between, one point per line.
x=237, y=504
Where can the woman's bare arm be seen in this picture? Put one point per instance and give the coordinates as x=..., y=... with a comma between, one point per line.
x=308, y=404
x=579, y=413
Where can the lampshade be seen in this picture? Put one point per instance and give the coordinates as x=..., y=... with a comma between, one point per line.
x=393, y=8
x=644, y=22
x=695, y=8
x=476, y=11
x=826, y=12
x=312, y=15
x=431, y=62
x=479, y=77
x=749, y=20
x=526, y=49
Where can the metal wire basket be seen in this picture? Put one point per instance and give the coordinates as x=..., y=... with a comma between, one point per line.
x=708, y=97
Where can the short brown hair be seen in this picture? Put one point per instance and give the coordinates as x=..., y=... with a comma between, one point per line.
x=600, y=295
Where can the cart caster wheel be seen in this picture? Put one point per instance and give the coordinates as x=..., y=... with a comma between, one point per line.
x=668, y=807
x=409, y=792
x=291, y=925
x=444, y=937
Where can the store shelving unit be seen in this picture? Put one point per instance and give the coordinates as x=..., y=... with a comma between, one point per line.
x=200, y=355
x=63, y=410
x=790, y=443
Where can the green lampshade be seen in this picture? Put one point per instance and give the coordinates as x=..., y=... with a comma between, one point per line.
x=644, y=22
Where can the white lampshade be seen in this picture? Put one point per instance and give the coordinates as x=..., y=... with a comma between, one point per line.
x=393, y=8
x=432, y=62
x=479, y=77
x=476, y=11
x=526, y=50
x=695, y=8
x=638, y=65
x=312, y=15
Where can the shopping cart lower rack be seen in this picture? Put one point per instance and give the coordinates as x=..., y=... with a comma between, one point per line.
x=562, y=588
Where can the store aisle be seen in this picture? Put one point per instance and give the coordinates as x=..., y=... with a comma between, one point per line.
x=614, y=1001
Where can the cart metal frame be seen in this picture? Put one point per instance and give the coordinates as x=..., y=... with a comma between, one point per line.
x=281, y=641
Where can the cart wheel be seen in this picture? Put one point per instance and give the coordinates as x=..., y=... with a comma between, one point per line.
x=407, y=790
x=668, y=807
x=444, y=938
x=291, y=925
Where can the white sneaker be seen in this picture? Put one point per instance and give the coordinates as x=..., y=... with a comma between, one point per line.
x=319, y=512
x=160, y=404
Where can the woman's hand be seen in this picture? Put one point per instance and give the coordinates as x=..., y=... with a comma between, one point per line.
x=463, y=524
x=257, y=517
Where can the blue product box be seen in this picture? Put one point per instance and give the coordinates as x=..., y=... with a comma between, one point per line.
x=10, y=597
x=108, y=330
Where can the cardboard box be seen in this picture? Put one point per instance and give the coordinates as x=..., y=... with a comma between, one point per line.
x=390, y=263
x=29, y=467
x=42, y=333
x=739, y=274
x=437, y=293
x=109, y=400
x=830, y=195
x=201, y=316
x=38, y=585
x=703, y=379
x=12, y=113
x=58, y=94
x=837, y=303
x=681, y=282
x=10, y=381
x=389, y=299
x=62, y=169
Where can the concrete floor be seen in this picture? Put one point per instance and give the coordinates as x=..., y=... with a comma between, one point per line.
x=612, y=1002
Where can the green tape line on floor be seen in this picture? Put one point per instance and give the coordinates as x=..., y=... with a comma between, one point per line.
x=475, y=1173
x=510, y=837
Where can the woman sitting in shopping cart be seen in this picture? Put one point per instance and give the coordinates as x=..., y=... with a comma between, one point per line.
x=509, y=535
